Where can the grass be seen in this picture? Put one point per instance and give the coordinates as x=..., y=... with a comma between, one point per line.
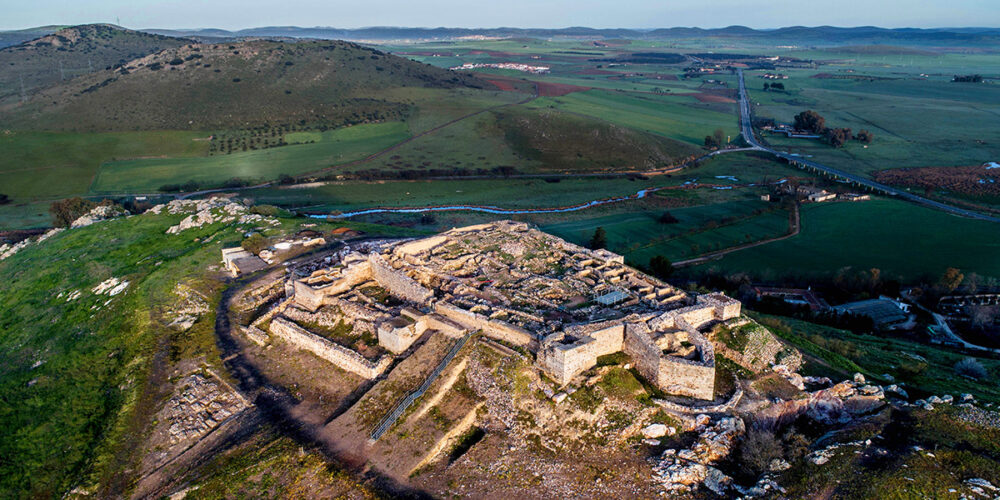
x=44, y=165
x=333, y=147
x=74, y=374
x=639, y=236
x=679, y=118
x=846, y=353
x=901, y=239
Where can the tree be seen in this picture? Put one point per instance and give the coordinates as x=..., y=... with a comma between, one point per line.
x=64, y=212
x=758, y=448
x=951, y=278
x=777, y=86
x=864, y=136
x=767, y=86
x=286, y=179
x=837, y=137
x=719, y=136
x=600, y=239
x=4, y=199
x=810, y=121
x=667, y=218
x=661, y=267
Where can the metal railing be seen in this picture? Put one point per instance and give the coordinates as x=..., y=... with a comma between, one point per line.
x=401, y=407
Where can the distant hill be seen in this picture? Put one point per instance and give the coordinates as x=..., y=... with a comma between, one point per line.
x=819, y=35
x=69, y=52
x=8, y=38
x=236, y=85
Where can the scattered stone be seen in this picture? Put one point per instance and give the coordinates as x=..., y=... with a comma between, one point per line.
x=99, y=213
x=859, y=378
x=778, y=465
x=651, y=442
x=654, y=430
x=559, y=397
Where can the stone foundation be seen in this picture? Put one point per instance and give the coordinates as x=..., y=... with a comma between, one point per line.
x=337, y=355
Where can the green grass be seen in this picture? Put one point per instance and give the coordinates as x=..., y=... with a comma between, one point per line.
x=875, y=355
x=42, y=165
x=675, y=117
x=901, y=239
x=334, y=147
x=639, y=236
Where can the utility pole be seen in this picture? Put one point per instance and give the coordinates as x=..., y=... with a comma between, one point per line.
x=24, y=95
x=62, y=74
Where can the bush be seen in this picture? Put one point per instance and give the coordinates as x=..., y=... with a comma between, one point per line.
x=64, y=212
x=757, y=449
x=254, y=243
x=970, y=367
x=286, y=179
x=4, y=199
x=265, y=210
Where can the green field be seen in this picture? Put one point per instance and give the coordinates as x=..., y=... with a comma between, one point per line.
x=333, y=147
x=700, y=229
x=899, y=238
x=675, y=117
x=916, y=122
x=45, y=165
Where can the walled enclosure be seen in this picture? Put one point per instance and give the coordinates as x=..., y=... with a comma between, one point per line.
x=517, y=285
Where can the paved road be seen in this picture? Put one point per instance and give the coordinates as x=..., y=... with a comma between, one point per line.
x=746, y=128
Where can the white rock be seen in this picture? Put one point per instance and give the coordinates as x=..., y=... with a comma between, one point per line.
x=859, y=378
x=560, y=397
x=651, y=442
x=654, y=430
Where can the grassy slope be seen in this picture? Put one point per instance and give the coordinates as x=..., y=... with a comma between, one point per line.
x=73, y=384
x=72, y=52
x=899, y=238
x=678, y=118
x=237, y=85
x=330, y=148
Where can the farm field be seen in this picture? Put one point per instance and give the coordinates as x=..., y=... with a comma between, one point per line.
x=901, y=239
x=639, y=236
x=916, y=122
x=46, y=165
x=509, y=193
x=677, y=117
x=331, y=148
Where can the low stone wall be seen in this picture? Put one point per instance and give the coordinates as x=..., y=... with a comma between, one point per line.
x=396, y=282
x=492, y=328
x=692, y=410
x=337, y=355
x=686, y=378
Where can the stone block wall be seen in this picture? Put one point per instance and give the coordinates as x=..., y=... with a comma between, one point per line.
x=337, y=355
x=397, y=282
x=398, y=335
x=492, y=328
x=686, y=378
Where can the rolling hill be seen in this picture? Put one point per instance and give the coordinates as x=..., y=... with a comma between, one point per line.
x=236, y=85
x=70, y=52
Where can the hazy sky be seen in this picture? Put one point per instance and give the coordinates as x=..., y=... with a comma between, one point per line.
x=235, y=14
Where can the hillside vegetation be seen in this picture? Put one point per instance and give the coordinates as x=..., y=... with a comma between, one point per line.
x=71, y=52
x=237, y=85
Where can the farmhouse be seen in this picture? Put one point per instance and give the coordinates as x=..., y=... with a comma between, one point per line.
x=516, y=285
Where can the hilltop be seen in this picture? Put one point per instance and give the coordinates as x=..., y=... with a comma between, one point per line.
x=238, y=85
x=56, y=57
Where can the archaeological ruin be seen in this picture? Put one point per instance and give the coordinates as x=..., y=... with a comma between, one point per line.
x=566, y=304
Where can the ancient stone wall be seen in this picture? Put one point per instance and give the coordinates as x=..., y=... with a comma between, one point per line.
x=337, y=355
x=492, y=328
x=396, y=282
x=686, y=378
x=421, y=245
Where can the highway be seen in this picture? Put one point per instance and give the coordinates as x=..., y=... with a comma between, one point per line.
x=746, y=129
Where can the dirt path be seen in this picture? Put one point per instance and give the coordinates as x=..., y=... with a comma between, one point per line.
x=794, y=225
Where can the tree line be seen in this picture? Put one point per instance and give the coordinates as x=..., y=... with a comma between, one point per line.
x=813, y=122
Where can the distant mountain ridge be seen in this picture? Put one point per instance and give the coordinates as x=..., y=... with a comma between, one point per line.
x=802, y=34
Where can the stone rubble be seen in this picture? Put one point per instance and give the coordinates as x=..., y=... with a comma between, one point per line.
x=110, y=287
x=8, y=250
x=201, y=405
x=98, y=214
x=210, y=211
x=682, y=471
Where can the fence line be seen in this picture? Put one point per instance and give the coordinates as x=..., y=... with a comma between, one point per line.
x=391, y=418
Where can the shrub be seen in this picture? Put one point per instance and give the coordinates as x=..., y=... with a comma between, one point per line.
x=4, y=199
x=254, y=243
x=757, y=449
x=265, y=210
x=64, y=212
x=970, y=367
